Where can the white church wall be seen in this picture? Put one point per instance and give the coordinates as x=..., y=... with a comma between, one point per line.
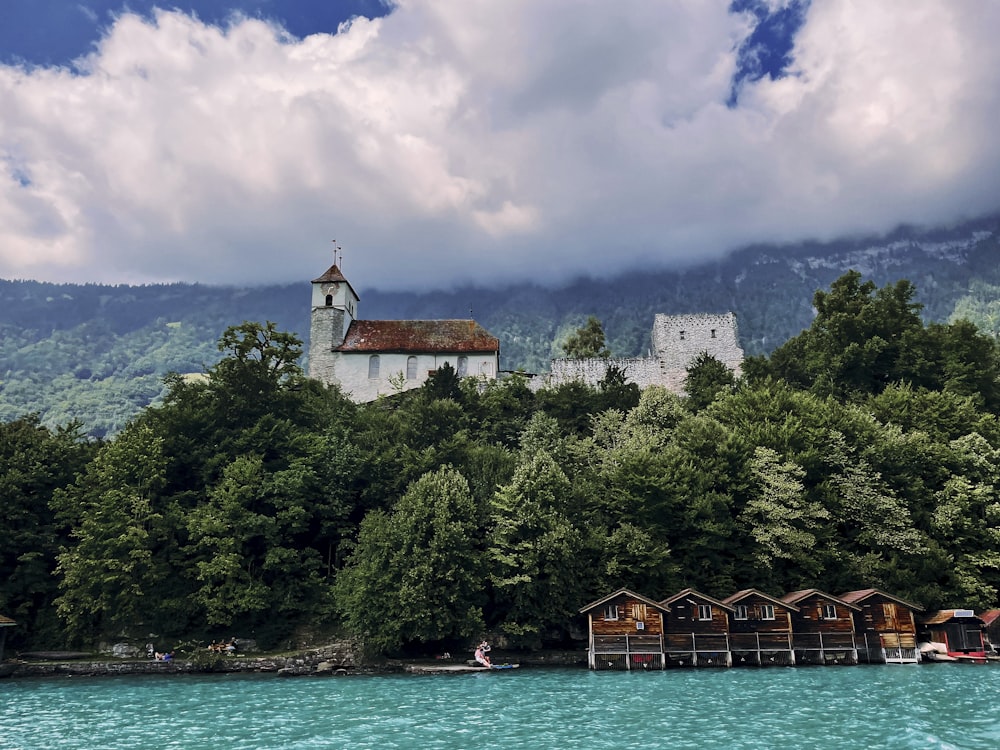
x=351, y=370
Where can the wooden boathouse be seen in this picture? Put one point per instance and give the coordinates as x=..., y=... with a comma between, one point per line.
x=822, y=628
x=760, y=629
x=959, y=630
x=696, y=630
x=885, y=627
x=626, y=632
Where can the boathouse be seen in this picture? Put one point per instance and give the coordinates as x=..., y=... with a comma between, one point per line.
x=760, y=629
x=696, y=630
x=960, y=632
x=625, y=632
x=885, y=627
x=822, y=628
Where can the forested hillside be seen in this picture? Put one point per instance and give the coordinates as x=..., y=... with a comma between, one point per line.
x=864, y=452
x=98, y=354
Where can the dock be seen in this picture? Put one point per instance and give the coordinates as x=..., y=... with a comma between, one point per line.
x=454, y=668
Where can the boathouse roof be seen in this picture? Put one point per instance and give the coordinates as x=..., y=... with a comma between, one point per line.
x=688, y=593
x=741, y=595
x=946, y=615
x=798, y=596
x=620, y=592
x=6, y=621
x=856, y=597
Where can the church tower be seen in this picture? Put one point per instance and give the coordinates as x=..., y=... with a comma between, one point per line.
x=334, y=308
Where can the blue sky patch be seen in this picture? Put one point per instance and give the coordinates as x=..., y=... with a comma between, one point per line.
x=767, y=51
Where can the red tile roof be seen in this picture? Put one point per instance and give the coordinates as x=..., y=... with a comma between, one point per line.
x=989, y=616
x=431, y=336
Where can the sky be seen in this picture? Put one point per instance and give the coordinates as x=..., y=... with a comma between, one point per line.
x=444, y=142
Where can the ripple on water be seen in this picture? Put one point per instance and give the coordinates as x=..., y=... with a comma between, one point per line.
x=944, y=706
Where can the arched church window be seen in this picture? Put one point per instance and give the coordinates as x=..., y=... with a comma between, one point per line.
x=411, y=368
x=373, y=365
x=463, y=366
x=329, y=300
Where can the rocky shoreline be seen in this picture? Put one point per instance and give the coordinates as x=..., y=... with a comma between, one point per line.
x=336, y=660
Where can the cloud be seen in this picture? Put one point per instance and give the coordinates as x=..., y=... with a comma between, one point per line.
x=456, y=141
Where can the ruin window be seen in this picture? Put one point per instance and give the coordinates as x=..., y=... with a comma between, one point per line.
x=329, y=300
x=373, y=365
x=767, y=611
x=463, y=366
x=682, y=335
x=713, y=333
x=829, y=611
x=741, y=612
x=704, y=611
x=611, y=612
x=411, y=368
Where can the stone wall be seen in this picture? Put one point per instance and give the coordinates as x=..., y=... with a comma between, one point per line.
x=677, y=340
x=326, y=330
x=344, y=655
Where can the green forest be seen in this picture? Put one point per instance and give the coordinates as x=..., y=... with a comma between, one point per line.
x=864, y=451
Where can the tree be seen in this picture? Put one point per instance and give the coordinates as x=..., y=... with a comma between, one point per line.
x=856, y=340
x=706, y=378
x=244, y=546
x=259, y=376
x=417, y=574
x=616, y=393
x=541, y=564
x=782, y=521
x=115, y=573
x=35, y=462
x=443, y=383
x=587, y=341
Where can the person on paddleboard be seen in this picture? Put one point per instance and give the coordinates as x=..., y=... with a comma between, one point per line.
x=481, y=656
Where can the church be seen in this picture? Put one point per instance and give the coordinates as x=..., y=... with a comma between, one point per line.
x=372, y=358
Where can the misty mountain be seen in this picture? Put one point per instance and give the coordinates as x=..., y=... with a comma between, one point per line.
x=98, y=354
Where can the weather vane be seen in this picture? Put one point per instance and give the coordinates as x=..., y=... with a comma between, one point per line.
x=339, y=261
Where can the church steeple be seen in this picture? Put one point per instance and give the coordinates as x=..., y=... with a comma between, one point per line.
x=334, y=307
x=332, y=289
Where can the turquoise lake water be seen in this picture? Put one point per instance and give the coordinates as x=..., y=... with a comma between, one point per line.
x=925, y=706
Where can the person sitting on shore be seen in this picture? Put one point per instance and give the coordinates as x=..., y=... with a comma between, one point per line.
x=231, y=647
x=481, y=656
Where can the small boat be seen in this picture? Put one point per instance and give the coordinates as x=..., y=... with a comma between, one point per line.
x=934, y=651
